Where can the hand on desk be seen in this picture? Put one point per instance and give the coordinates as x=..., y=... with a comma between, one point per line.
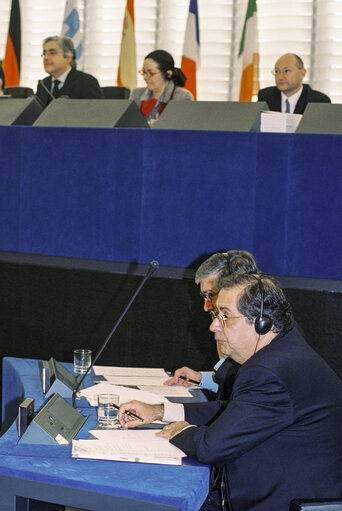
x=185, y=376
x=148, y=414
x=172, y=429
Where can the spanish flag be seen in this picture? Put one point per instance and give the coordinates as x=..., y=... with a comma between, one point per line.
x=11, y=62
x=250, y=54
x=191, y=49
x=127, y=72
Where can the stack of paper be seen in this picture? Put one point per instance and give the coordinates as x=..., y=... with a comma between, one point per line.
x=279, y=122
x=128, y=445
x=126, y=394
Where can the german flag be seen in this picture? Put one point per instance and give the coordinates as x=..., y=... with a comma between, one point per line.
x=11, y=62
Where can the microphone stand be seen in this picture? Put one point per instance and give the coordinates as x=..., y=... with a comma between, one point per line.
x=153, y=266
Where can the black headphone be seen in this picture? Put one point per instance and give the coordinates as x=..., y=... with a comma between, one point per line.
x=168, y=75
x=262, y=325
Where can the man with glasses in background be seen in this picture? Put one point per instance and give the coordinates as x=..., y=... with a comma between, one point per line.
x=290, y=95
x=279, y=436
x=219, y=382
x=64, y=79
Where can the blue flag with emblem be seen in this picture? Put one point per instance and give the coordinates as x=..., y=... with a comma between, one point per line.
x=72, y=26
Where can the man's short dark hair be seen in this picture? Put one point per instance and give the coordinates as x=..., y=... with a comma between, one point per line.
x=276, y=305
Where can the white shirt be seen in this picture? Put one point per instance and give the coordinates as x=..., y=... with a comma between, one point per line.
x=292, y=100
x=61, y=79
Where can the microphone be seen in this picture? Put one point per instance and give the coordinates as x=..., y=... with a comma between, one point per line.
x=152, y=267
x=46, y=89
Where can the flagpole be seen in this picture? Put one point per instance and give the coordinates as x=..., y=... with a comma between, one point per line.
x=232, y=59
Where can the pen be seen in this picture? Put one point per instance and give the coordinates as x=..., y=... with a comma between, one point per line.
x=131, y=414
x=190, y=380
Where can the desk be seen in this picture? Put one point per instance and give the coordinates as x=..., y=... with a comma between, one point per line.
x=49, y=474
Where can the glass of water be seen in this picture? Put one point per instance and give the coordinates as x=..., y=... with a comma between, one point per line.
x=82, y=360
x=107, y=410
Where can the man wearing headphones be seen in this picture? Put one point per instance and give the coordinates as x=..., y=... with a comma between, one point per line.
x=217, y=383
x=279, y=437
x=64, y=80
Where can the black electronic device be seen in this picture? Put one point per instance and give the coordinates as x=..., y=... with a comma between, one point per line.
x=56, y=423
x=152, y=267
x=25, y=415
x=262, y=324
x=92, y=113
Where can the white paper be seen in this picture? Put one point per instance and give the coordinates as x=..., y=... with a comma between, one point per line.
x=278, y=122
x=128, y=445
x=136, y=380
x=130, y=371
x=166, y=390
x=126, y=394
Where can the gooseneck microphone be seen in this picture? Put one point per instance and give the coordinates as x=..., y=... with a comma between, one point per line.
x=152, y=267
x=46, y=89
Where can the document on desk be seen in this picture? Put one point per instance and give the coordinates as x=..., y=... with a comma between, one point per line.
x=136, y=380
x=130, y=371
x=278, y=122
x=141, y=446
x=167, y=391
x=126, y=394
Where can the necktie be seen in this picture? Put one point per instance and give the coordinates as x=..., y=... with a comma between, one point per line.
x=55, y=90
x=287, y=106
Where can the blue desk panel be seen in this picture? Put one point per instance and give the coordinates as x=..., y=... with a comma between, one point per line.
x=133, y=195
x=48, y=473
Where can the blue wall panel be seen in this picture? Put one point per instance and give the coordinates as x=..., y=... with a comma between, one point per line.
x=136, y=195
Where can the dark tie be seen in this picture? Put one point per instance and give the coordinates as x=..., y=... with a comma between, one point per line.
x=287, y=106
x=55, y=90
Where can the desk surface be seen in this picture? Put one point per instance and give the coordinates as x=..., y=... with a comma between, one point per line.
x=49, y=473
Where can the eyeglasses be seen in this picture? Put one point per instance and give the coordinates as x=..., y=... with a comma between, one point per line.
x=50, y=53
x=277, y=72
x=150, y=74
x=222, y=317
x=209, y=295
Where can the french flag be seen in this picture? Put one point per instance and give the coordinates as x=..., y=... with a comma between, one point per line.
x=191, y=49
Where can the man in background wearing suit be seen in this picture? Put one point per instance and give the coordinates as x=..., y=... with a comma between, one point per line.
x=290, y=95
x=64, y=80
x=279, y=436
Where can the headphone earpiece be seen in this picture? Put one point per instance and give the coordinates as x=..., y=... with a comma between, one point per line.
x=262, y=325
x=168, y=75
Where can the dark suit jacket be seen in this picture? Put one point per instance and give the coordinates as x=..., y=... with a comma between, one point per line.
x=279, y=437
x=272, y=96
x=78, y=85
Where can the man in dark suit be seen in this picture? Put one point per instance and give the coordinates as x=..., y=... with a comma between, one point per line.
x=64, y=80
x=290, y=95
x=279, y=436
x=216, y=384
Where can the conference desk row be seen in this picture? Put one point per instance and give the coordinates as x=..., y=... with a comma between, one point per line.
x=49, y=474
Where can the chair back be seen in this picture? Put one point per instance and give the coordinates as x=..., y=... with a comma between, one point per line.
x=116, y=92
x=19, y=92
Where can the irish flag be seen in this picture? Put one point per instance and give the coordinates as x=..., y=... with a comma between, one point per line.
x=127, y=72
x=191, y=49
x=250, y=54
x=11, y=64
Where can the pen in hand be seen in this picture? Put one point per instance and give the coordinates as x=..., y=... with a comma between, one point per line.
x=189, y=380
x=131, y=414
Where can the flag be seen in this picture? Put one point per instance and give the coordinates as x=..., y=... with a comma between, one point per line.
x=11, y=64
x=127, y=72
x=250, y=54
x=191, y=49
x=72, y=27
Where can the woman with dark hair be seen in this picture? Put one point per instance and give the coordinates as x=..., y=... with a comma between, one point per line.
x=164, y=82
